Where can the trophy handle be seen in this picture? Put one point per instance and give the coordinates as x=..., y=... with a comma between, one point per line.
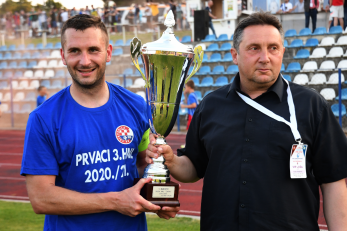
x=135, y=47
x=199, y=55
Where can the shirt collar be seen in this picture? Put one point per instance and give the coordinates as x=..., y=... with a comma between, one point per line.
x=277, y=87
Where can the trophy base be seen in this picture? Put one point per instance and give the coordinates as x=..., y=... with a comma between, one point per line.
x=162, y=194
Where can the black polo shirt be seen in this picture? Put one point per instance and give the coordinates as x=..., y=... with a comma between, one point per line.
x=243, y=156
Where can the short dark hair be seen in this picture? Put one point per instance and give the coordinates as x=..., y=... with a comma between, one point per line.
x=258, y=18
x=190, y=84
x=82, y=22
x=40, y=88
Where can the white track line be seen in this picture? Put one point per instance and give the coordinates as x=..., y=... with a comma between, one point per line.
x=191, y=190
x=9, y=164
x=14, y=197
x=187, y=211
x=21, y=201
x=11, y=154
x=12, y=178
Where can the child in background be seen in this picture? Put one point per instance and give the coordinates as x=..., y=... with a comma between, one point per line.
x=43, y=95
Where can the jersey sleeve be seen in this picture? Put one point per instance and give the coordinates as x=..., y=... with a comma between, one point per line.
x=329, y=149
x=38, y=153
x=144, y=142
x=192, y=99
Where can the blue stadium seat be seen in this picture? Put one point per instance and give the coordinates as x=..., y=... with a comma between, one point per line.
x=108, y=63
x=282, y=67
x=178, y=38
x=287, y=77
x=210, y=38
x=343, y=94
x=39, y=46
x=45, y=54
x=3, y=65
x=335, y=30
x=186, y=39
x=13, y=65
x=198, y=95
x=320, y=31
x=207, y=92
x=1, y=56
x=3, y=48
x=23, y=64
x=8, y=74
x=0, y=74
x=17, y=55
x=26, y=55
x=21, y=47
x=57, y=45
x=206, y=82
x=293, y=67
x=49, y=46
x=217, y=70
x=59, y=74
x=190, y=70
x=32, y=64
x=335, y=109
x=30, y=46
x=119, y=42
x=36, y=55
x=118, y=51
x=232, y=69
x=115, y=81
x=137, y=73
x=110, y=42
x=196, y=81
x=128, y=82
x=285, y=43
x=227, y=57
x=312, y=42
x=18, y=74
x=46, y=83
x=205, y=59
x=8, y=55
x=12, y=48
x=204, y=70
x=305, y=32
x=221, y=81
x=290, y=33
x=127, y=43
x=296, y=43
x=212, y=47
x=128, y=72
x=225, y=47
x=232, y=37
x=232, y=79
x=182, y=111
x=215, y=57
x=223, y=37
x=302, y=54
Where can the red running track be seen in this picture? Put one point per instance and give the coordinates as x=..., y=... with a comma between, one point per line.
x=12, y=185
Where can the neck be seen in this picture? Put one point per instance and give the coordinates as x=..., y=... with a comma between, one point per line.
x=90, y=98
x=253, y=89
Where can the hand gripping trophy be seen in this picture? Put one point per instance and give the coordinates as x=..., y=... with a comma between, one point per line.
x=166, y=65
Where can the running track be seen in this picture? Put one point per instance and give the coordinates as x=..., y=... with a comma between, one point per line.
x=12, y=185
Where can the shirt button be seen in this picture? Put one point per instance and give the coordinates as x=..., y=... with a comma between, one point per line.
x=244, y=182
x=250, y=120
x=245, y=160
x=247, y=140
x=242, y=205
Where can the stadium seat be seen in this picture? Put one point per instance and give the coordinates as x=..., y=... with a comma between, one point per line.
x=17, y=55
x=217, y=70
x=8, y=74
x=1, y=57
x=182, y=111
x=46, y=83
x=34, y=84
x=215, y=57
x=12, y=48
x=196, y=81
x=204, y=70
x=232, y=37
x=18, y=74
x=28, y=74
x=305, y=32
x=3, y=48
x=209, y=38
x=342, y=65
x=205, y=59
x=198, y=95
x=318, y=79
x=38, y=74
x=293, y=67
x=61, y=64
x=190, y=70
x=1, y=97
x=290, y=33
x=320, y=31
x=328, y=93
x=19, y=96
x=301, y=79
x=343, y=94
x=8, y=55
x=32, y=64
x=207, y=92
x=119, y=42
x=24, y=84
x=334, y=78
x=55, y=54
x=342, y=41
x=49, y=74
x=232, y=69
x=128, y=82
x=287, y=77
x=296, y=43
x=26, y=55
x=327, y=41
x=118, y=51
x=41, y=64
x=15, y=84
x=57, y=45
x=39, y=46
x=128, y=72
x=3, y=84
x=335, y=52
x=302, y=54
x=223, y=37
x=57, y=84
x=138, y=83
x=23, y=65
x=49, y=46
x=227, y=57
x=285, y=43
x=327, y=65
x=319, y=52
x=312, y=42
x=30, y=47
x=137, y=73
x=335, y=30
x=59, y=74
x=225, y=47
x=13, y=65
x=310, y=66
x=3, y=65
x=212, y=47
x=26, y=108
x=52, y=63
x=221, y=81
x=206, y=82
x=16, y=108
x=186, y=39
x=7, y=97
x=127, y=43
x=45, y=54
x=142, y=94
x=110, y=42
x=36, y=55
x=0, y=76
x=115, y=81
x=4, y=107
x=335, y=109
x=282, y=67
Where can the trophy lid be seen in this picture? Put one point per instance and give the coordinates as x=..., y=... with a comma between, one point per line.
x=168, y=41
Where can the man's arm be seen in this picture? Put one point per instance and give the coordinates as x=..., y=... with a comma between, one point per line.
x=335, y=205
x=47, y=198
x=193, y=105
x=211, y=15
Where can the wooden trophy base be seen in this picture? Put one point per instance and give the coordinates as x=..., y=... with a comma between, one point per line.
x=162, y=194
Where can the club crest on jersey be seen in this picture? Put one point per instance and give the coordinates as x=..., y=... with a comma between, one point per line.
x=124, y=134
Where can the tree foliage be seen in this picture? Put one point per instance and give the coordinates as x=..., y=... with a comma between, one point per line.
x=12, y=6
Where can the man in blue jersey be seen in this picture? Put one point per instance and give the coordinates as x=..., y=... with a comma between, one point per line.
x=192, y=101
x=85, y=145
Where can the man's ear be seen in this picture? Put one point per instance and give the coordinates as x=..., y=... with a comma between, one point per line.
x=234, y=54
x=62, y=56
x=109, y=52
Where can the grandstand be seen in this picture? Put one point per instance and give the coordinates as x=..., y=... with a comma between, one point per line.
x=311, y=59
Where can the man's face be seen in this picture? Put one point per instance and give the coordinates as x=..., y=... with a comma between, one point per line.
x=260, y=55
x=43, y=91
x=286, y=1
x=85, y=53
x=210, y=3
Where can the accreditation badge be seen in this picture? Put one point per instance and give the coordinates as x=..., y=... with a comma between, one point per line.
x=298, y=161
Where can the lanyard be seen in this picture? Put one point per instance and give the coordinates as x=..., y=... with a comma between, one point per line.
x=292, y=124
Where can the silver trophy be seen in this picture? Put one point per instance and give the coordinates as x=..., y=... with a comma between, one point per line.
x=166, y=65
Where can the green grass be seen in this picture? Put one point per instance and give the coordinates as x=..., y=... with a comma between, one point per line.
x=20, y=216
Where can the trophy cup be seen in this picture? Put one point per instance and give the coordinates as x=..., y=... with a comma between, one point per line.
x=166, y=65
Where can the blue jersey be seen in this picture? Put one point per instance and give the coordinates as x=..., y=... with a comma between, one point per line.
x=192, y=99
x=89, y=150
x=40, y=99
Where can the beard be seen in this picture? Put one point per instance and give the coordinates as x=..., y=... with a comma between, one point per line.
x=91, y=85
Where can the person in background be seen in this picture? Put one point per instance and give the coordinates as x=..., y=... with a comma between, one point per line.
x=94, y=12
x=155, y=12
x=179, y=15
x=311, y=10
x=148, y=14
x=87, y=11
x=211, y=16
x=285, y=7
x=173, y=7
x=43, y=19
x=336, y=6
x=73, y=12
x=64, y=16
x=299, y=5
x=192, y=100
x=43, y=94
x=54, y=16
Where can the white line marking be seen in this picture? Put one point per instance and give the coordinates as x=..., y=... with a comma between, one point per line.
x=187, y=211
x=191, y=190
x=11, y=178
x=9, y=164
x=323, y=225
x=15, y=197
x=11, y=154
x=21, y=201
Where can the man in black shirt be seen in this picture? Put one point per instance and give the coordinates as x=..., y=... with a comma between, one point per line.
x=210, y=16
x=249, y=159
x=54, y=15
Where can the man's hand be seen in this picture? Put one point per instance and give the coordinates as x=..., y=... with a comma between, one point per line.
x=129, y=201
x=183, y=106
x=168, y=212
x=155, y=151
